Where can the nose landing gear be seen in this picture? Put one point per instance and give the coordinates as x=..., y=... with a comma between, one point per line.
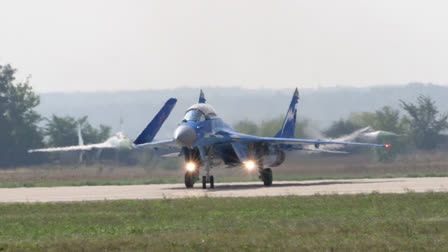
x=211, y=181
x=190, y=178
x=192, y=175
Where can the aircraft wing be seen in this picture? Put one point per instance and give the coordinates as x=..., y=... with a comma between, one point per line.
x=158, y=144
x=169, y=148
x=296, y=141
x=325, y=151
x=75, y=148
x=166, y=146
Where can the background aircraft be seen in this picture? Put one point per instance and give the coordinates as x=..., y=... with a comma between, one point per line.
x=367, y=134
x=119, y=141
x=206, y=140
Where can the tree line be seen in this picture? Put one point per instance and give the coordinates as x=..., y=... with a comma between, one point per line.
x=22, y=128
x=421, y=126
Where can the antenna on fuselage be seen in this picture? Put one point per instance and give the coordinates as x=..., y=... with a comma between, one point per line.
x=201, y=97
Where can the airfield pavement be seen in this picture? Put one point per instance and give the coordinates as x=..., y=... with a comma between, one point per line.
x=243, y=189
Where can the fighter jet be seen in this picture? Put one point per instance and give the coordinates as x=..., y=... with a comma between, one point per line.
x=119, y=141
x=206, y=141
x=367, y=134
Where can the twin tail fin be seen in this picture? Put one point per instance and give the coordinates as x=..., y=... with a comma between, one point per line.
x=289, y=124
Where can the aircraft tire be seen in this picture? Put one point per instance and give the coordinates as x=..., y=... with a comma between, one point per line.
x=204, y=182
x=189, y=179
x=267, y=176
x=212, y=182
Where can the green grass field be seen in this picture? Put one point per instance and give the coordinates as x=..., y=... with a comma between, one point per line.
x=254, y=178
x=393, y=222
x=297, y=167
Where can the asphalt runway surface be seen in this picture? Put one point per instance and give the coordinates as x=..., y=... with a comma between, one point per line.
x=245, y=189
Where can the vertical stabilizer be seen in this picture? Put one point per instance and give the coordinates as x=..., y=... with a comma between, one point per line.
x=80, y=140
x=201, y=97
x=80, y=143
x=289, y=124
x=153, y=127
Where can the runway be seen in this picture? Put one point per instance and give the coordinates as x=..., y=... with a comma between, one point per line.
x=246, y=189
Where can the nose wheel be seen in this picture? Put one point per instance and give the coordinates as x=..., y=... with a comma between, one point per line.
x=195, y=158
x=189, y=180
x=211, y=181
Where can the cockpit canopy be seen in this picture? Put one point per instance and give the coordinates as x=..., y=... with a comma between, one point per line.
x=198, y=112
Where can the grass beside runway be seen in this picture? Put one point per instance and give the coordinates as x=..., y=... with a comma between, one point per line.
x=297, y=167
x=412, y=221
x=179, y=180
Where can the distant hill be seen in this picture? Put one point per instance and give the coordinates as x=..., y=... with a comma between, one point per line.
x=322, y=105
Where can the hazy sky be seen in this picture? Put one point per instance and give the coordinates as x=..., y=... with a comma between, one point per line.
x=87, y=45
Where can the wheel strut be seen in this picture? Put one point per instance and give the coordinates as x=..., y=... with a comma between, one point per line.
x=204, y=182
x=212, y=182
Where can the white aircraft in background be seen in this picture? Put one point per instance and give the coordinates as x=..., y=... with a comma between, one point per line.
x=367, y=134
x=118, y=141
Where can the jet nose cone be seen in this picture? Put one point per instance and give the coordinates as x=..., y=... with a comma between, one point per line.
x=185, y=135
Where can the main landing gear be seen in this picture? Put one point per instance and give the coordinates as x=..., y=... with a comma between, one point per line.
x=266, y=176
x=265, y=173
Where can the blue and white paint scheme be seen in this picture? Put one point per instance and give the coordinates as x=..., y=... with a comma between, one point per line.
x=289, y=124
x=156, y=123
x=119, y=141
x=206, y=140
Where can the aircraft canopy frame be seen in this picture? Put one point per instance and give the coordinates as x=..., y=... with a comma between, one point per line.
x=204, y=108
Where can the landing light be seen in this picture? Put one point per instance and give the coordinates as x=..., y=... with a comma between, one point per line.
x=387, y=146
x=250, y=165
x=190, y=166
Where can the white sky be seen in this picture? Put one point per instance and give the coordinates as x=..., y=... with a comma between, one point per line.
x=88, y=45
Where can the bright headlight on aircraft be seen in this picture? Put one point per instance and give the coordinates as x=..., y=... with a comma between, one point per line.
x=190, y=166
x=387, y=146
x=250, y=165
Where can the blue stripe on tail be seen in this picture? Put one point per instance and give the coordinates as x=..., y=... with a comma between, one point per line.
x=153, y=127
x=289, y=124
